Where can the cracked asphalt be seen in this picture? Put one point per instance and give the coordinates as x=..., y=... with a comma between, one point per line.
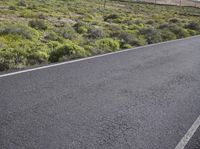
x=145, y=98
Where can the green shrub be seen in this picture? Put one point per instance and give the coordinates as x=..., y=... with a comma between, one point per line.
x=127, y=38
x=139, y=22
x=152, y=35
x=12, y=58
x=192, y=32
x=174, y=20
x=80, y=27
x=127, y=46
x=66, y=32
x=111, y=17
x=38, y=24
x=167, y=35
x=68, y=35
x=4, y=63
x=127, y=21
x=67, y=51
x=38, y=57
x=21, y=3
x=89, y=48
x=193, y=26
x=41, y=16
x=179, y=31
x=151, y=22
x=12, y=7
x=20, y=30
x=88, y=18
x=5, y=60
x=27, y=14
x=50, y=36
x=114, y=30
x=163, y=26
x=107, y=45
x=32, y=7
x=134, y=27
x=95, y=33
x=53, y=44
x=2, y=44
x=82, y=30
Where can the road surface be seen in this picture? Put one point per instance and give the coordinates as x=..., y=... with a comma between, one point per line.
x=194, y=143
x=145, y=98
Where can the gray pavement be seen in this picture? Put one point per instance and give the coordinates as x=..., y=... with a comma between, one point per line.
x=146, y=98
x=194, y=142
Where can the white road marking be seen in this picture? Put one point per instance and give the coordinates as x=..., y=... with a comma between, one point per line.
x=92, y=57
x=184, y=141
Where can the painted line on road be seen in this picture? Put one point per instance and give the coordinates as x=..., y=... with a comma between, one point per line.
x=92, y=57
x=184, y=141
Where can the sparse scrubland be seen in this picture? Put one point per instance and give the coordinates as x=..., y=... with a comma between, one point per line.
x=43, y=31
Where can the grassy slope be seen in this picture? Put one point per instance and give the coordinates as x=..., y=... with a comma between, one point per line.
x=35, y=32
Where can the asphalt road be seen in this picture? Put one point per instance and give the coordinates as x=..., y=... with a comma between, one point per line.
x=145, y=98
x=194, y=142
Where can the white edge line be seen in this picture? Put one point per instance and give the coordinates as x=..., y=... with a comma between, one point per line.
x=184, y=141
x=92, y=57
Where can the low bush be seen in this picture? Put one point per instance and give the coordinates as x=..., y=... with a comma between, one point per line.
x=12, y=58
x=66, y=32
x=192, y=32
x=127, y=38
x=88, y=18
x=81, y=27
x=20, y=30
x=126, y=46
x=21, y=3
x=139, y=22
x=69, y=36
x=111, y=17
x=151, y=22
x=38, y=24
x=41, y=16
x=179, y=31
x=163, y=26
x=38, y=57
x=114, y=30
x=67, y=51
x=53, y=44
x=152, y=35
x=50, y=36
x=193, y=26
x=27, y=14
x=82, y=30
x=135, y=26
x=32, y=7
x=95, y=33
x=12, y=7
x=167, y=35
x=174, y=20
x=5, y=60
x=107, y=45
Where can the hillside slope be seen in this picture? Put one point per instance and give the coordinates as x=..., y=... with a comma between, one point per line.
x=36, y=32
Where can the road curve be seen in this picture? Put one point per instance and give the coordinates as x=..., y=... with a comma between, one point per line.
x=145, y=98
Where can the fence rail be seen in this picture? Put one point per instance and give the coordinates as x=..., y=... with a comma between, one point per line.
x=193, y=3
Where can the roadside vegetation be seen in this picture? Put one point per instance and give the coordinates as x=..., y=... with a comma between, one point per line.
x=37, y=32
